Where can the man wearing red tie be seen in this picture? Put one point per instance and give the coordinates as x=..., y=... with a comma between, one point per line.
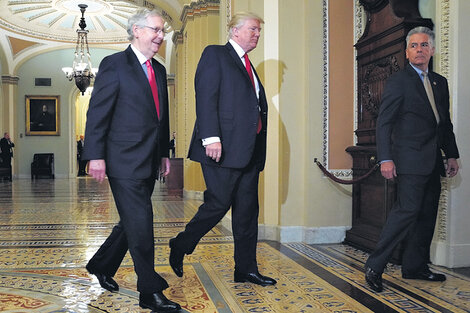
x=229, y=140
x=127, y=135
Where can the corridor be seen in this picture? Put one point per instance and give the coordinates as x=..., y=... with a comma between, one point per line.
x=50, y=228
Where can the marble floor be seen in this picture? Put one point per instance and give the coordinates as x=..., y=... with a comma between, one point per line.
x=49, y=228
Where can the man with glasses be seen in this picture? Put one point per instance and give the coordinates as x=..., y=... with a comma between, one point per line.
x=127, y=135
x=413, y=127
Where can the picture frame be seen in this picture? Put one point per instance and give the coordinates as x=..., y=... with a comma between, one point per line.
x=42, y=115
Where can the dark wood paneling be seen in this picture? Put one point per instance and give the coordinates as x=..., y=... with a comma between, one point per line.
x=380, y=53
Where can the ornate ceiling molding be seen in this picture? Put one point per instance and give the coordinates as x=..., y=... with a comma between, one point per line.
x=57, y=20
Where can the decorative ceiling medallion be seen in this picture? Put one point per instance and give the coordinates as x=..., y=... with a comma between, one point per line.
x=57, y=20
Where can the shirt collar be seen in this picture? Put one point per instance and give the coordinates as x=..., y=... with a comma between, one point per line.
x=140, y=56
x=418, y=70
x=239, y=50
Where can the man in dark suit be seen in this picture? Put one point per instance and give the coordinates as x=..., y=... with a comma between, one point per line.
x=229, y=140
x=412, y=128
x=6, y=152
x=127, y=137
x=81, y=163
x=172, y=144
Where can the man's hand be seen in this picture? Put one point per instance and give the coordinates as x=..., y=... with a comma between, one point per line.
x=214, y=151
x=452, y=167
x=97, y=169
x=388, y=170
x=165, y=167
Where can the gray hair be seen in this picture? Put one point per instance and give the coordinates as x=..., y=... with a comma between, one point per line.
x=421, y=30
x=140, y=18
x=239, y=19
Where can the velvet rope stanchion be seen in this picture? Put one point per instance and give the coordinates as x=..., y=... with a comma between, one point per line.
x=343, y=181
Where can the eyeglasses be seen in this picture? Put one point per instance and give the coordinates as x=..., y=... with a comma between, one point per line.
x=156, y=30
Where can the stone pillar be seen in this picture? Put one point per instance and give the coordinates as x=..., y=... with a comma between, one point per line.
x=8, y=110
x=201, y=27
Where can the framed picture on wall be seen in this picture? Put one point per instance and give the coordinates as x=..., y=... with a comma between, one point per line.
x=42, y=115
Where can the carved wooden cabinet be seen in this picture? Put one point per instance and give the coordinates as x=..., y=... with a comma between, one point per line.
x=380, y=53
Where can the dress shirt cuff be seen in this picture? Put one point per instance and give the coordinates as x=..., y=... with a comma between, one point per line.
x=209, y=140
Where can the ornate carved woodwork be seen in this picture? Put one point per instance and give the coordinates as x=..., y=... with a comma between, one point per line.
x=380, y=53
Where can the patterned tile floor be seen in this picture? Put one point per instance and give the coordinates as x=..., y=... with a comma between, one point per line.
x=50, y=228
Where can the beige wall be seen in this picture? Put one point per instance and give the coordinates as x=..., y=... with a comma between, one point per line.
x=200, y=28
x=297, y=202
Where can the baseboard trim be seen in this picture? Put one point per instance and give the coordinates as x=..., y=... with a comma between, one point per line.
x=308, y=235
x=450, y=256
x=195, y=195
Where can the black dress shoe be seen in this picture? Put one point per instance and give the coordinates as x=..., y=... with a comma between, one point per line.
x=255, y=278
x=157, y=302
x=107, y=282
x=176, y=259
x=425, y=275
x=374, y=279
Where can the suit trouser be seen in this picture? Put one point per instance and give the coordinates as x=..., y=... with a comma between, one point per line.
x=82, y=166
x=134, y=232
x=227, y=187
x=411, y=220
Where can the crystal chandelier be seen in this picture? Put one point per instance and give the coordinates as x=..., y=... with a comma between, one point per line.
x=81, y=69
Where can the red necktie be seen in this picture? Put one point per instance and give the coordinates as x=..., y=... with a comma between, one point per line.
x=153, y=85
x=250, y=73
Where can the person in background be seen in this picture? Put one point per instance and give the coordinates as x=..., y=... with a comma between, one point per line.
x=6, y=152
x=81, y=163
x=173, y=145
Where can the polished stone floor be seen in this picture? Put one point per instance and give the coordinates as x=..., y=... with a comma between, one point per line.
x=50, y=228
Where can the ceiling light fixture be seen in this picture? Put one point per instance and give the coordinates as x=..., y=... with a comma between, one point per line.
x=81, y=69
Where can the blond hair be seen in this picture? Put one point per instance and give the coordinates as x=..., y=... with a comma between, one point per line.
x=239, y=19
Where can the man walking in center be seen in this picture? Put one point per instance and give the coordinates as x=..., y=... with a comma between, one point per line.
x=413, y=127
x=229, y=140
x=127, y=137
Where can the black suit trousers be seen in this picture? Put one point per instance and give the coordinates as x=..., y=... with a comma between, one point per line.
x=134, y=232
x=412, y=221
x=227, y=187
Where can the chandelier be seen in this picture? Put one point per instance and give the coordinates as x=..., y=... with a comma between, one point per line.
x=81, y=69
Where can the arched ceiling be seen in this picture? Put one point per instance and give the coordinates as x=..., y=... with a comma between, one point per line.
x=57, y=20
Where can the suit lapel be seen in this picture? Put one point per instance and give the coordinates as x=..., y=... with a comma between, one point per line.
x=436, y=89
x=141, y=79
x=136, y=67
x=421, y=91
x=239, y=63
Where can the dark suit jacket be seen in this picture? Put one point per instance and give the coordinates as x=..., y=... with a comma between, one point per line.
x=5, y=152
x=122, y=125
x=227, y=107
x=407, y=131
x=79, y=149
